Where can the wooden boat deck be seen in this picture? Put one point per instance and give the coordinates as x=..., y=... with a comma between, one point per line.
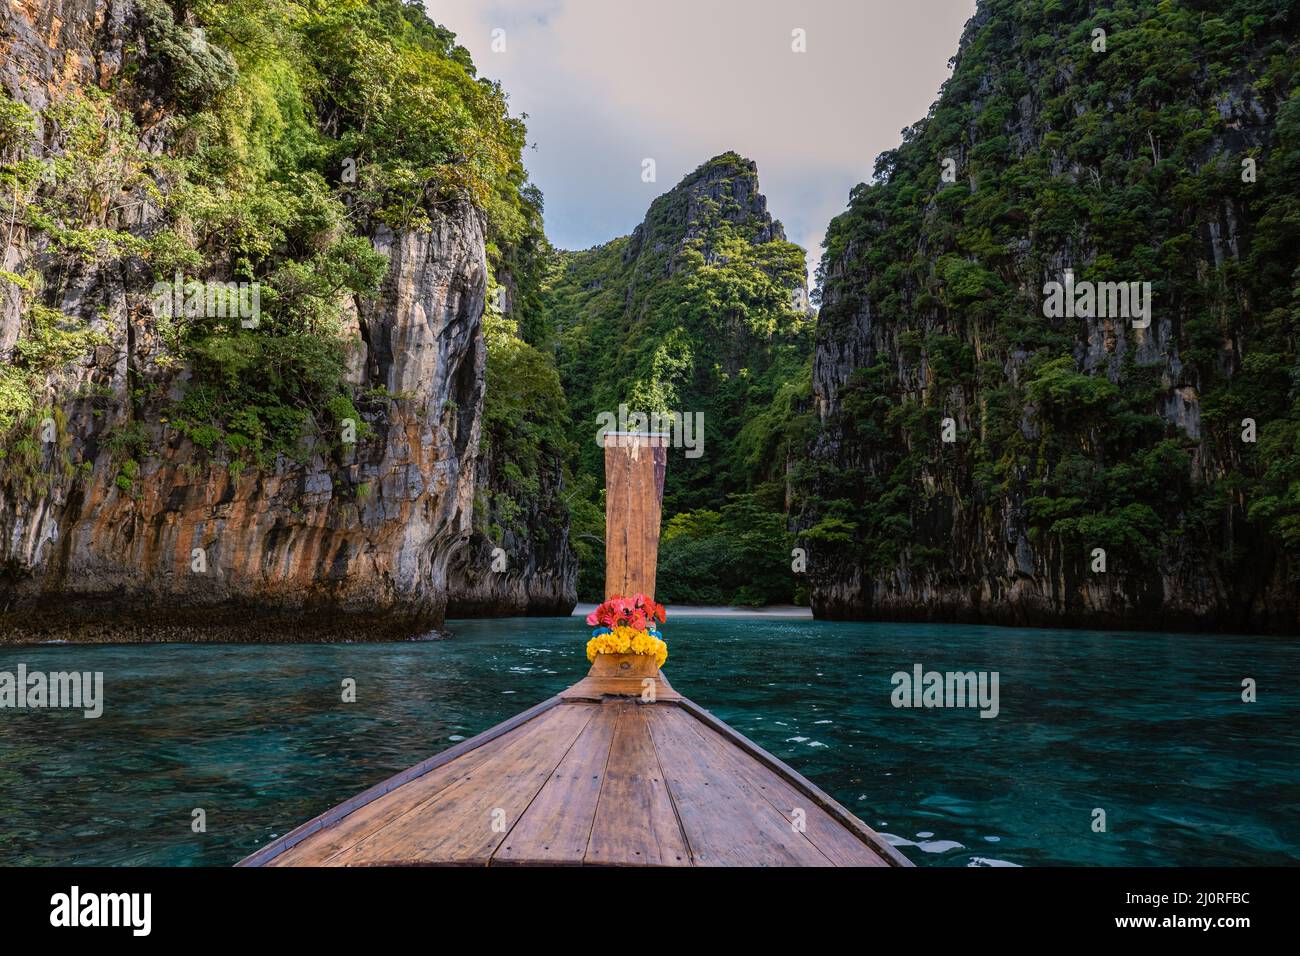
x=592, y=776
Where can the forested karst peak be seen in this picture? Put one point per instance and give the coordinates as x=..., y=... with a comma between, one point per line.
x=982, y=455
x=702, y=311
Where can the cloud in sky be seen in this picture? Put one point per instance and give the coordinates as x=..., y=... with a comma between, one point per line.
x=607, y=83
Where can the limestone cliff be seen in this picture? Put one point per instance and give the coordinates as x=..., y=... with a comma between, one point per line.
x=701, y=310
x=982, y=457
x=519, y=560
x=518, y=564
x=115, y=522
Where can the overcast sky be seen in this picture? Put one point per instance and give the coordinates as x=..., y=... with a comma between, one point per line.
x=609, y=83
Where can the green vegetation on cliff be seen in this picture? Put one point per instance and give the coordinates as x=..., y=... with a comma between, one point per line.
x=271, y=142
x=699, y=310
x=1132, y=163
x=294, y=129
x=524, y=438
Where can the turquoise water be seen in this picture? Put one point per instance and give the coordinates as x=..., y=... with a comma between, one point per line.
x=1149, y=727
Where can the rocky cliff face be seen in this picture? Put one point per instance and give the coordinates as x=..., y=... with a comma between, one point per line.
x=701, y=311
x=519, y=560
x=518, y=565
x=982, y=459
x=344, y=540
x=722, y=194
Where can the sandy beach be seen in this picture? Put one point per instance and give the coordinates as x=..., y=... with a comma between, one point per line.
x=686, y=610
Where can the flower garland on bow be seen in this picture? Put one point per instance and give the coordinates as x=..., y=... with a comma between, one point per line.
x=628, y=626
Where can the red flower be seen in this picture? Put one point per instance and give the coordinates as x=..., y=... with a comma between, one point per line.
x=638, y=612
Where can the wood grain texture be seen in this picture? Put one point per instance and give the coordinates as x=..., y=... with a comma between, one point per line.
x=465, y=822
x=623, y=665
x=557, y=824
x=837, y=843
x=636, y=823
x=634, y=475
x=334, y=815
x=596, y=688
x=598, y=781
x=878, y=844
x=726, y=821
x=319, y=848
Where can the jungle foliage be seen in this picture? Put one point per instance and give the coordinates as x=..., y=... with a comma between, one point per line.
x=1124, y=164
x=295, y=128
x=697, y=311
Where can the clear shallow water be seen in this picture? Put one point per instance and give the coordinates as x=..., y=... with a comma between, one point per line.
x=1150, y=727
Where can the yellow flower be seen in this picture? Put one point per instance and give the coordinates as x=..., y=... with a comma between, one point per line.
x=626, y=640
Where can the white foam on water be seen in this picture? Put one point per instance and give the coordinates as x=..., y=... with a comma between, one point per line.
x=939, y=846
x=925, y=846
